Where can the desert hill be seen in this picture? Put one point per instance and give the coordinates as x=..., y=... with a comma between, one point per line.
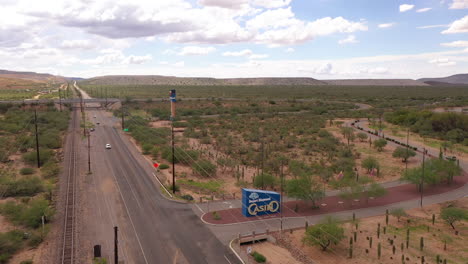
x=377, y=82
x=454, y=79
x=32, y=76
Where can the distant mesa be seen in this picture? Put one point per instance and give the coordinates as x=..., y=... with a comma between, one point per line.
x=172, y=80
x=377, y=82
x=457, y=79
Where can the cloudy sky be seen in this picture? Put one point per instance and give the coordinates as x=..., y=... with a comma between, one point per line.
x=324, y=39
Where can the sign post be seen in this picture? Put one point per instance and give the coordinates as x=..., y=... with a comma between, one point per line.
x=259, y=202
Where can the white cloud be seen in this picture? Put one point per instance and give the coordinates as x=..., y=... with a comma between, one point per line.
x=195, y=50
x=258, y=56
x=422, y=10
x=287, y=30
x=456, y=44
x=443, y=62
x=271, y=3
x=406, y=7
x=289, y=50
x=349, y=40
x=245, y=52
x=433, y=26
x=386, y=25
x=77, y=44
x=132, y=59
x=230, y=4
x=458, y=26
x=459, y=4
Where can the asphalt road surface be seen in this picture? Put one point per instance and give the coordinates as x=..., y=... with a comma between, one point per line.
x=152, y=228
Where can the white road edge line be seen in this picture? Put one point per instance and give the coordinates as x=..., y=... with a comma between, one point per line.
x=227, y=259
x=235, y=253
x=162, y=185
x=199, y=208
x=130, y=217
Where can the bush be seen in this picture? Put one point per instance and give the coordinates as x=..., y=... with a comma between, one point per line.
x=27, y=215
x=204, y=168
x=10, y=243
x=187, y=197
x=26, y=171
x=147, y=148
x=27, y=186
x=163, y=166
x=259, y=258
x=264, y=180
x=31, y=157
x=29, y=261
x=380, y=144
x=50, y=169
x=216, y=215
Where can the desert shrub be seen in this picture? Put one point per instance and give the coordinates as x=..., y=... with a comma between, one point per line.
x=163, y=166
x=204, y=168
x=147, y=148
x=155, y=152
x=27, y=186
x=10, y=243
x=31, y=157
x=264, y=180
x=50, y=169
x=26, y=171
x=259, y=258
x=216, y=215
x=29, y=261
x=187, y=197
x=28, y=215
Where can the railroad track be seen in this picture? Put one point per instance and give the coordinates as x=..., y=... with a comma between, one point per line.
x=68, y=255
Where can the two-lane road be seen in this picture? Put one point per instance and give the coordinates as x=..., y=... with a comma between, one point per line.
x=154, y=229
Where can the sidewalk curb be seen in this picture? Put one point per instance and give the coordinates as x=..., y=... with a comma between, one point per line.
x=344, y=211
x=235, y=253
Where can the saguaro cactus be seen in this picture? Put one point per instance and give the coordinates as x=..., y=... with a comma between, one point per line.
x=421, y=243
x=386, y=217
x=407, y=238
x=379, y=250
x=378, y=230
x=370, y=242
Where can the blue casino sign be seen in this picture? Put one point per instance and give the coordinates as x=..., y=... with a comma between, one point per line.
x=258, y=202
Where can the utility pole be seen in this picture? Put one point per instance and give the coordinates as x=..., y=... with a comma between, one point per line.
x=172, y=97
x=422, y=176
x=407, y=150
x=89, y=152
x=263, y=162
x=106, y=96
x=60, y=99
x=83, y=115
x=123, y=120
x=281, y=198
x=116, y=244
x=37, y=140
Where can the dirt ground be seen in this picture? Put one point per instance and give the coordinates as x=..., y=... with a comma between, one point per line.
x=390, y=168
x=273, y=253
x=420, y=226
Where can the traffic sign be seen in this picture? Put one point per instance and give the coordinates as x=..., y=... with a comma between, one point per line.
x=156, y=165
x=125, y=129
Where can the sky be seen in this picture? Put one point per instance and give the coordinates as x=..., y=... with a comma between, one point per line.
x=322, y=39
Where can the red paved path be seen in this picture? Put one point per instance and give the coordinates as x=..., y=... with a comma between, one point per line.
x=394, y=194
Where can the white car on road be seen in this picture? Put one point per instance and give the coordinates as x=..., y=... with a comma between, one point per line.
x=108, y=146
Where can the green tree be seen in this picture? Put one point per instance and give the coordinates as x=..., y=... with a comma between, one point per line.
x=264, y=180
x=435, y=171
x=362, y=136
x=204, y=168
x=453, y=214
x=370, y=163
x=328, y=232
x=374, y=190
x=306, y=189
x=380, y=144
x=398, y=213
x=403, y=153
x=348, y=133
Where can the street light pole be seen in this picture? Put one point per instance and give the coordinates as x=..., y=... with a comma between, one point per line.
x=172, y=97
